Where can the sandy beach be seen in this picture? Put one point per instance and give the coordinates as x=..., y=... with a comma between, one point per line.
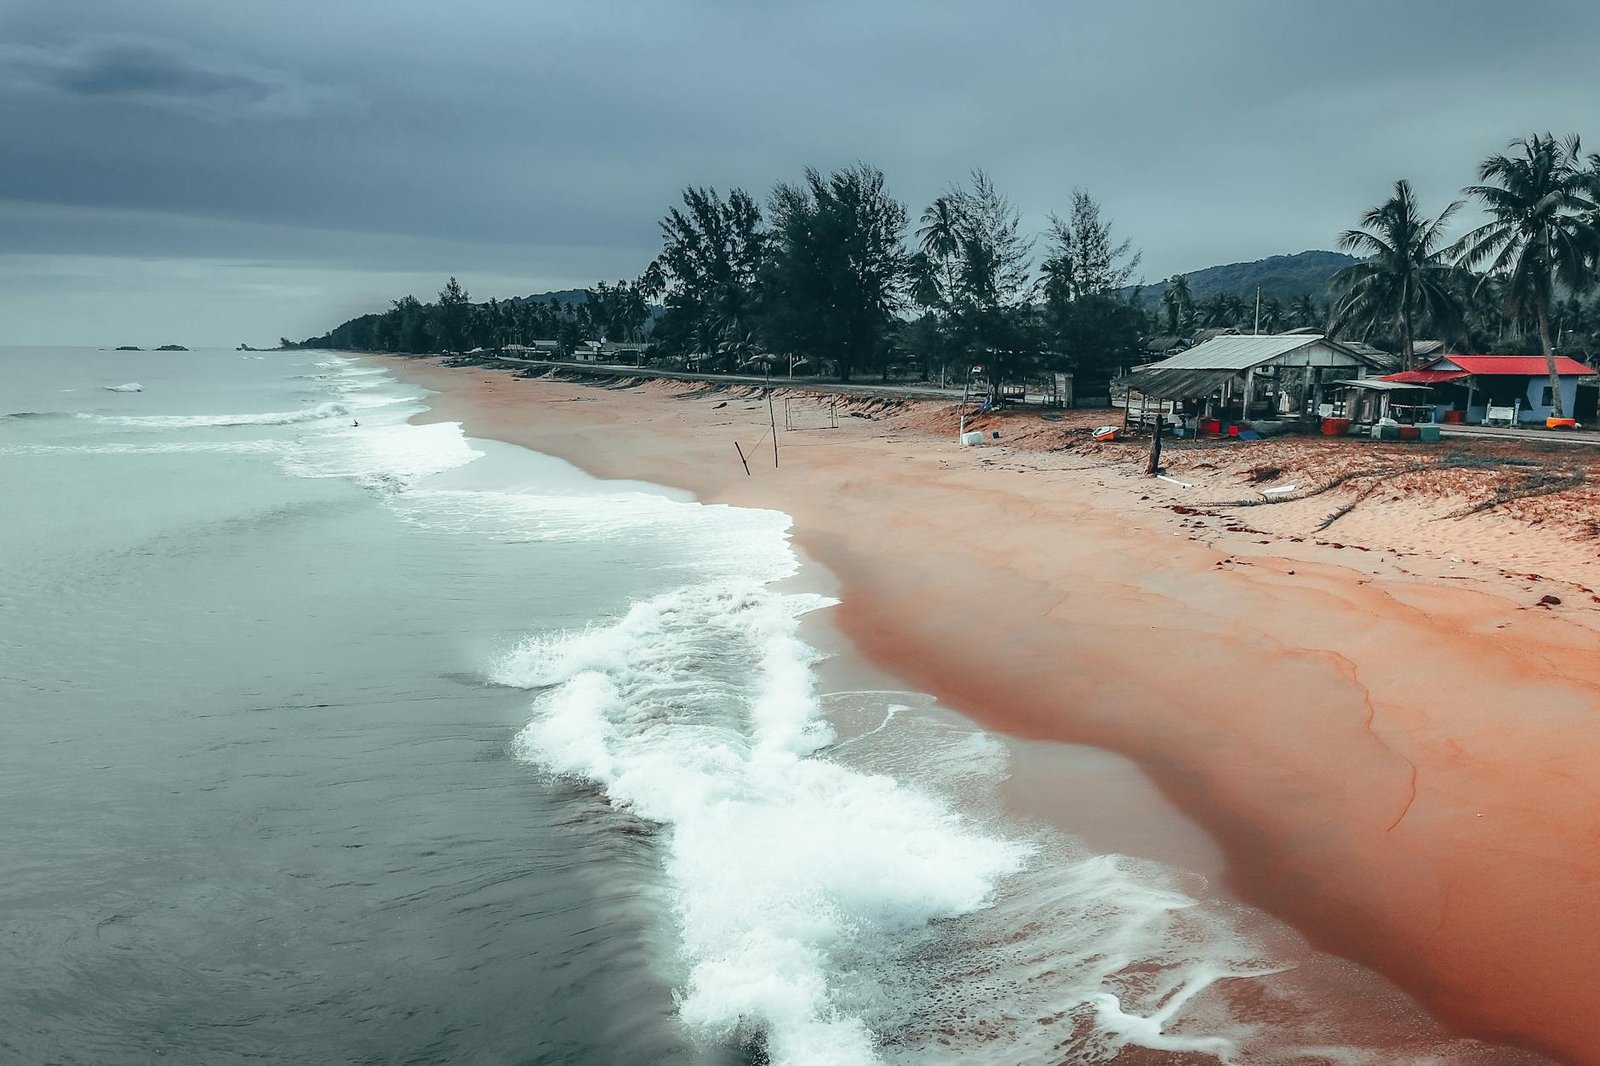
x=1391, y=742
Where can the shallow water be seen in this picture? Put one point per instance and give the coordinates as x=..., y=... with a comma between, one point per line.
x=325, y=737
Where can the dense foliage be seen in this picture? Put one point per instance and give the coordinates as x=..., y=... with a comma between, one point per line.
x=830, y=275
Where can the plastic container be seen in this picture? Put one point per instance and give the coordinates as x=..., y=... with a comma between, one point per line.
x=1335, y=427
x=1561, y=423
x=1210, y=425
x=1455, y=416
x=971, y=440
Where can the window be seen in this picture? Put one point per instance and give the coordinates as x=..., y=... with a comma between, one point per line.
x=1548, y=400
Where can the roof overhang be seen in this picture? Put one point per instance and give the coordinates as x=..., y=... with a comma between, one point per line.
x=1381, y=385
x=1177, y=384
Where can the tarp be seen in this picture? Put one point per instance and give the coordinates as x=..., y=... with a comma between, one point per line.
x=1177, y=384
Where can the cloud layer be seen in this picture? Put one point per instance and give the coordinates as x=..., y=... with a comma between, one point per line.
x=318, y=134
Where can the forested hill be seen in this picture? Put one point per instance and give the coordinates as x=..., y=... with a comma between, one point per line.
x=1283, y=276
x=560, y=296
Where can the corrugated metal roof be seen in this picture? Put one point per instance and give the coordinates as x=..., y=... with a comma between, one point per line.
x=1237, y=353
x=1170, y=384
x=1512, y=365
x=1382, y=385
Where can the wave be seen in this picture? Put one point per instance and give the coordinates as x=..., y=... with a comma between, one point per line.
x=23, y=415
x=273, y=418
x=132, y=386
x=236, y=447
x=697, y=711
x=868, y=900
x=393, y=456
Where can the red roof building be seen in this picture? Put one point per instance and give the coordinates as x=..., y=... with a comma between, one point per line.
x=1518, y=382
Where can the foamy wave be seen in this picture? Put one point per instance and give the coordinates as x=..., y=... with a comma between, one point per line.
x=738, y=542
x=394, y=455
x=275, y=418
x=697, y=711
x=132, y=386
x=234, y=447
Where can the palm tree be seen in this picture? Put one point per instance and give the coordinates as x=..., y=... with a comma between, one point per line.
x=1271, y=314
x=1541, y=232
x=1403, y=277
x=1303, y=311
x=939, y=238
x=1215, y=311
x=1178, y=304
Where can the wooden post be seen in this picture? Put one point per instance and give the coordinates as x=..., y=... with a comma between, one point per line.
x=1154, y=467
x=772, y=417
x=1249, y=390
x=742, y=459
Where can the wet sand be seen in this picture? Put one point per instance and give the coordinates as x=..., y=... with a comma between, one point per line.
x=1397, y=756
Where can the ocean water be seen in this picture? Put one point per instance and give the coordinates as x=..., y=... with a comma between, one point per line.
x=327, y=737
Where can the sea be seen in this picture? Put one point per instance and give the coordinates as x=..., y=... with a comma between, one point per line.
x=332, y=736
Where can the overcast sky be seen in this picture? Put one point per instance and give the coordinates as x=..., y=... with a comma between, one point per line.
x=220, y=171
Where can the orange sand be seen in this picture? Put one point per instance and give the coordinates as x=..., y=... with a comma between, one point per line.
x=1397, y=752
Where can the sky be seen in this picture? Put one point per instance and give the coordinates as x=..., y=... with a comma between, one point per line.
x=216, y=172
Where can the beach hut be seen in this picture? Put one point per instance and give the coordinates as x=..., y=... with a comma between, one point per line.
x=1514, y=388
x=1367, y=402
x=1270, y=377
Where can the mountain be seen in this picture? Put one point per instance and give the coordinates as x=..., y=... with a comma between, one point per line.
x=560, y=296
x=1283, y=276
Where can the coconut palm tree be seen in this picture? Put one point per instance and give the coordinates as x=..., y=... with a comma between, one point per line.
x=1272, y=315
x=1541, y=232
x=1303, y=311
x=1178, y=304
x=1403, y=278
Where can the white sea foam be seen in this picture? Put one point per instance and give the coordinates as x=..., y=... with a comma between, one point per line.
x=697, y=711
x=392, y=455
x=272, y=418
x=132, y=386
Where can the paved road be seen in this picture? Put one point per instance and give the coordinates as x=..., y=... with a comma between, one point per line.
x=1553, y=436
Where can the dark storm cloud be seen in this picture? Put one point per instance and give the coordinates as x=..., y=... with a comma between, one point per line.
x=158, y=74
x=323, y=132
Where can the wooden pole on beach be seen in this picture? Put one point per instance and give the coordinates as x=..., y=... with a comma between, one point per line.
x=742, y=459
x=1154, y=466
x=773, y=419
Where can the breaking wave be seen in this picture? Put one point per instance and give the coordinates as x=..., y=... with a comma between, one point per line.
x=321, y=411
x=791, y=871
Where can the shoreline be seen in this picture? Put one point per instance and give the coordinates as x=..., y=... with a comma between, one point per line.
x=1351, y=735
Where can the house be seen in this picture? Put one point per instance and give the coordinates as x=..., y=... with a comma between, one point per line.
x=1243, y=378
x=1467, y=386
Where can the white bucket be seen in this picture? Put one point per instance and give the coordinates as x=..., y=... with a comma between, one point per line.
x=971, y=440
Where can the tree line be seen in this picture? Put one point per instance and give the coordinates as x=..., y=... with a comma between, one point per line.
x=829, y=273
x=832, y=274
x=455, y=324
